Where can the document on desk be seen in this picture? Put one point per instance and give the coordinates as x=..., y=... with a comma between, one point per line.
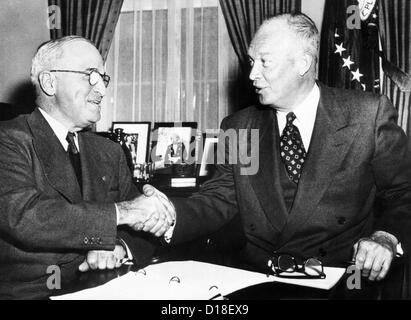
x=189, y=280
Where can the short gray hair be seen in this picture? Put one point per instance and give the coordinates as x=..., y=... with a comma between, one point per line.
x=303, y=27
x=48, y=55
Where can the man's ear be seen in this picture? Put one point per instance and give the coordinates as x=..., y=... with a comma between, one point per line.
x=305, y=64
x=47, y=82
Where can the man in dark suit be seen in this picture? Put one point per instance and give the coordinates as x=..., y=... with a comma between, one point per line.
x=63, y=192
x=326, y=156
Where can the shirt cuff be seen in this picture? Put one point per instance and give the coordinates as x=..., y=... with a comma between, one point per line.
x=125, y=246
x=169, y=233
x=117, y=213
x=388, y=236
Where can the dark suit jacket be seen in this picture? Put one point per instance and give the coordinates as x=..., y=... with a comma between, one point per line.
x=357, y=155
x=44, y=218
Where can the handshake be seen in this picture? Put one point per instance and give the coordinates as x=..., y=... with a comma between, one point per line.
x=150, y=212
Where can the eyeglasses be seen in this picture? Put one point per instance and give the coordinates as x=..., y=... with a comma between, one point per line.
x=280, y=263
x=93, y=76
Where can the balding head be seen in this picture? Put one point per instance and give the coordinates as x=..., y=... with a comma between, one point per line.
x=283, y=55
x=69, y=87
x=295, y=26
x=49, y=56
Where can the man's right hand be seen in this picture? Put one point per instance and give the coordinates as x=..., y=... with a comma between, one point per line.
x=150, y=212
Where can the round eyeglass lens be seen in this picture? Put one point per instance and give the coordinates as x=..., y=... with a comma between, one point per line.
x=94, y=78
x=313, y=267
x=286, y=263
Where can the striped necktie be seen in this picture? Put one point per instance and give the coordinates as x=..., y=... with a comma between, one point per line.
x=74, y=157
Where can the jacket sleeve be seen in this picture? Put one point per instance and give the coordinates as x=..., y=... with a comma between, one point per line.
x=392, y=171
x=141, y=244
x=33, y=219
x=212, y=207
x=128, y=189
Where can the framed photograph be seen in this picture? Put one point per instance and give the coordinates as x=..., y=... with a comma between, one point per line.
x=134, y=138
x=173, y=143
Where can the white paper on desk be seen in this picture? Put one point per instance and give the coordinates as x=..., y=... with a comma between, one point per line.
x=198, y=281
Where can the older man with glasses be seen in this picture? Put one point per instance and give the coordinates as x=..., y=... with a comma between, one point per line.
x=63, y=191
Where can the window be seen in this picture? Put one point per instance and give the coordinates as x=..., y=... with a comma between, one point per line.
x=170, y=60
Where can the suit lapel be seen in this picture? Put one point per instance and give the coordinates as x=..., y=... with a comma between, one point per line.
x=266, y=182
x=331, y=139
x=53, y=158
x=94, y=185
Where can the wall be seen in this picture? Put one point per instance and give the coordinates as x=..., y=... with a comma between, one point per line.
x=314, y=9
x=23, y=27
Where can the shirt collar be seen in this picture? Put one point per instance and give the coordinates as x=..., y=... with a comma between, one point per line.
x=307, y=109
x=305, y=113
x=59, y=130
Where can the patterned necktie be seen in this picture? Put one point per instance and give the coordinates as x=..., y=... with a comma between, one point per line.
x=292, y=149
x=74, y=157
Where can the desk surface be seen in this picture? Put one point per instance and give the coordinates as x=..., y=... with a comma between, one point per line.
x=211, y=249
x=390, y=288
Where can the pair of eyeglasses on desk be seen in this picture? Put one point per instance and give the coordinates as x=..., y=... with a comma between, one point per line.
x=284, y=265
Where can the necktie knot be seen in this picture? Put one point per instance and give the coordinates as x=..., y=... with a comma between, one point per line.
x=290, y=118
x=72, y=145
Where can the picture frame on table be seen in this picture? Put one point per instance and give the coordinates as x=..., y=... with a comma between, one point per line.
x=173, y=143
x=134, y=138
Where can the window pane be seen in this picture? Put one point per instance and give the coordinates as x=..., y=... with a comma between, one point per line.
x=142, y=64
x=124, y=110
x=160, y=54
x=146, y=59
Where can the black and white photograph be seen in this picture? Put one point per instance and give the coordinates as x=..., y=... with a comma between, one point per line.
x=134, y=138
x=173, y=143
x=107, y=192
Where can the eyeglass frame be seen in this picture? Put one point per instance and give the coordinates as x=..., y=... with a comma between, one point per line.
x=105, y=77
x=276, y=269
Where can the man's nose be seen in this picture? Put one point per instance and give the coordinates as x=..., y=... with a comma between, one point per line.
x=100, y=87
x=255, y=72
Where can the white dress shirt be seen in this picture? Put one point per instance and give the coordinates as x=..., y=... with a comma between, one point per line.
x=59, y=130
x=305, y=114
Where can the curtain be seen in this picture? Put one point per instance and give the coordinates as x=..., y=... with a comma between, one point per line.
x=349, y=47
x=171, y=61
x=243, y=17
x=395, y=25
x=92, y=19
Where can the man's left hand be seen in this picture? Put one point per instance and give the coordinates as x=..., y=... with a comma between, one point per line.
x=373, y=255
x=99, y=259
